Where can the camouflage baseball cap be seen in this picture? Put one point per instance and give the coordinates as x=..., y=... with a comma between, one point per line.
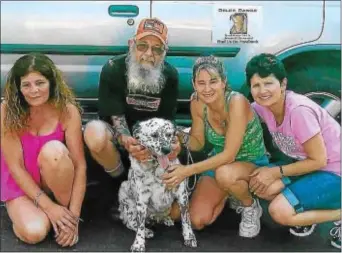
x=152, y=26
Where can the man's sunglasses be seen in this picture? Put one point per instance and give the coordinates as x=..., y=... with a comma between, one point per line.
x=143, y=47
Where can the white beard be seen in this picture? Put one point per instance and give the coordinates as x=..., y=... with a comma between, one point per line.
x=143, y=79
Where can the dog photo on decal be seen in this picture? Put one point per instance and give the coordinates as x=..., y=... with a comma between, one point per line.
x=239, y=23
x=144, y=197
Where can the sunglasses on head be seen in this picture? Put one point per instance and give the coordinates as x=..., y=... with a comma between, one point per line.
x=143, y=47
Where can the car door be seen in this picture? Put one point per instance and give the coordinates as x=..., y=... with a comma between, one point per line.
x=79, y=36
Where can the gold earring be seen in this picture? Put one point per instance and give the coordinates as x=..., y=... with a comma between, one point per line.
x=196, y=95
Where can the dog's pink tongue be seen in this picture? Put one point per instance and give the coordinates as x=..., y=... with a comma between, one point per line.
x=163, y=161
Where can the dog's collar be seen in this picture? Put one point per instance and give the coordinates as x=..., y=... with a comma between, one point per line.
x=153, y=162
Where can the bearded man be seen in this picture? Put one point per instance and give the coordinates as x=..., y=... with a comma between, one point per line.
x=133, y=87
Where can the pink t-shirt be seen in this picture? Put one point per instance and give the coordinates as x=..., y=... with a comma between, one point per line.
x=304, y=119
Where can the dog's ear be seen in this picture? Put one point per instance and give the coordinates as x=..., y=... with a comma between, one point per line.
x=136, y=129
x=176, y=127
x=174, y=124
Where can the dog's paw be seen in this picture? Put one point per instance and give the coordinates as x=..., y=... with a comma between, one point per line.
x=148, y=233
x=191, y=243
x=138, y=247
x=169, y=222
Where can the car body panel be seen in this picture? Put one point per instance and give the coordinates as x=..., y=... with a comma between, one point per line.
x=79, y=41
x=80, y=36
x=66, y=22
x=279, y=29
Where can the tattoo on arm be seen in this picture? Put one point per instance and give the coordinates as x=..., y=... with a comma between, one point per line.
x=120, y=125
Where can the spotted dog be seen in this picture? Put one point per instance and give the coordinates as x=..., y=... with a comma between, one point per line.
x=144, y=197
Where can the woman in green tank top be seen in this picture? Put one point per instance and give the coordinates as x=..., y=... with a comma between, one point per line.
x=225, y=120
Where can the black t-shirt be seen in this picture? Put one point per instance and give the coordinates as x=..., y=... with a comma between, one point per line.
x=115, y=99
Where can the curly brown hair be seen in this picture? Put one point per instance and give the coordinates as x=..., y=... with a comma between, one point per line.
x=17, y=108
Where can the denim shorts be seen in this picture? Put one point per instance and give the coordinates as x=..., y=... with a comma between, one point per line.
x=319, y=190
x=260, y=162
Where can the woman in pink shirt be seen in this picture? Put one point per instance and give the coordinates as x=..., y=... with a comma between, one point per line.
x=43, y=168
x=307, y=191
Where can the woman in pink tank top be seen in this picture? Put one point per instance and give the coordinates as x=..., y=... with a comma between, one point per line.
x=43, y=168
x=306, y=191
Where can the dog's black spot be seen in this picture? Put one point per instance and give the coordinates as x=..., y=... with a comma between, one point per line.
x=154, y=134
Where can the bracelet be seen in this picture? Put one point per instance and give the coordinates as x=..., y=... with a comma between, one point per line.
x=78, y=219
x=281, y=171
x=36, y=199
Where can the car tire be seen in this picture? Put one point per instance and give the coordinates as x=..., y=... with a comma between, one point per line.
x=321, y=82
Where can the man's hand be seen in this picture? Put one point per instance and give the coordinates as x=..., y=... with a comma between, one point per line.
x=176, y=148
x=133, y=147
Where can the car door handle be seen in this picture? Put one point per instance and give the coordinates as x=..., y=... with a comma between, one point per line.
x=125, y=11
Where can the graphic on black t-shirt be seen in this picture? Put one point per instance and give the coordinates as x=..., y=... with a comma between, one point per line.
x=143, y=102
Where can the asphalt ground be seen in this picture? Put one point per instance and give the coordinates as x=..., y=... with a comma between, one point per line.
x=99, y=233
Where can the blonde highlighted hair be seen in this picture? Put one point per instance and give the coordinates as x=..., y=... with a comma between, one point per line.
x=213, y=65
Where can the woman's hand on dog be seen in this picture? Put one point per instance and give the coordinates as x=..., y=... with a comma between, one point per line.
x=175, y=175
x=133, y=147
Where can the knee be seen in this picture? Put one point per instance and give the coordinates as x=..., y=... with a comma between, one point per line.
x=278, y=214
x=272, y=191
x=197, y=223
x=199, y=220
x=224, y=178
x=267, y=196
x=175, y=213
x=95, y=135
x=33, y=232
x=52, y=153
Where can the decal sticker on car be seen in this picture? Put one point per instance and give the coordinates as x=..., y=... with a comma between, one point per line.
x=236, y=24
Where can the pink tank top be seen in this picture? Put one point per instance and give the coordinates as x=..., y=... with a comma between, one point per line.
x=31, y=145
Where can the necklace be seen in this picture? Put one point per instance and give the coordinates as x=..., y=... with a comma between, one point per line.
x=221, y=122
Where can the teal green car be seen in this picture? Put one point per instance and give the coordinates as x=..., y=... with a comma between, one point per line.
x=81, y=36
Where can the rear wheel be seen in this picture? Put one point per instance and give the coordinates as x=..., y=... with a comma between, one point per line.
x=317, y=76
x=328, y=101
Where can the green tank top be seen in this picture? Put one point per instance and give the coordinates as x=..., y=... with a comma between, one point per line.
x=252, y=146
